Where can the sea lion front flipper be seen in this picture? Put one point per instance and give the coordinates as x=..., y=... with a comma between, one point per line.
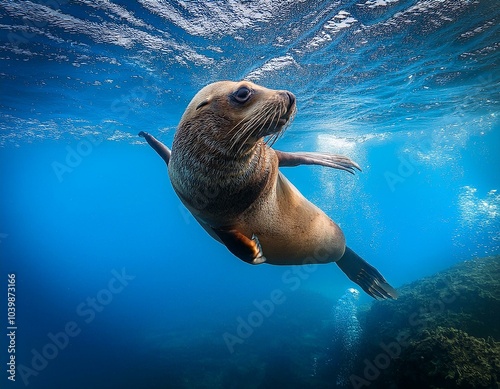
x=162, y=150
x=248, y=250
x=366, y=276
x=323, y=159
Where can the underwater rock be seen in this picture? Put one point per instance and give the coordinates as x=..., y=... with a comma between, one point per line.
x=449, y=358
x=442, y=332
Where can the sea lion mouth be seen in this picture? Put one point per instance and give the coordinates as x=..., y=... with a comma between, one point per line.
x=274, y=127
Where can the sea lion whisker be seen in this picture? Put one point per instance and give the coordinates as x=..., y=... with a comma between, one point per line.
x=243, y=144
x=271, y=123
x=242, y=139
x=236, y=131
x=243, y=125
x=277, y=135
x=249, y=134
x=243, y=134
x=272, y=139
x=275, y=119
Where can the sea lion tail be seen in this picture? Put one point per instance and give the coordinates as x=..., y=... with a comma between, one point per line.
x=366, y=276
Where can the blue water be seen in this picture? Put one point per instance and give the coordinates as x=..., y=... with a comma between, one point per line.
x=407, y=89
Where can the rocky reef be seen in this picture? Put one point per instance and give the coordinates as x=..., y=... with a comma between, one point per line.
x=443, y=332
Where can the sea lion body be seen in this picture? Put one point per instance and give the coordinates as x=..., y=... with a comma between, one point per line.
x=228, y=177
x=245, y=190
x=291, y=230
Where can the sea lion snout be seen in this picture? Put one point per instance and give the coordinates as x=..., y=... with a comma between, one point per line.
x=289, y=101
x=291, y=107
x=282, y=115
x=292, y=100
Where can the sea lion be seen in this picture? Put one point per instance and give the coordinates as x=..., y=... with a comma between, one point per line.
x=228, y=177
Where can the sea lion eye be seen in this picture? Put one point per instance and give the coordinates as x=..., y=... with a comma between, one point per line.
x=242, y=95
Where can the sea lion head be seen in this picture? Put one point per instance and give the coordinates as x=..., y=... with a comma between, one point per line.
x=236, y=115
x=218, y=153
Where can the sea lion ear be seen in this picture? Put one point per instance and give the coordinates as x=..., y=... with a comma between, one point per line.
x=202, y=104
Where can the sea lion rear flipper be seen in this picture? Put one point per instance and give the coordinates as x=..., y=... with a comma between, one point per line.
x=323, y=159
x=162, y=150
x=246, y=249
x=366, y=276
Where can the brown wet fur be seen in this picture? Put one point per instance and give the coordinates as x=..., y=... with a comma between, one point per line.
x=228, y=176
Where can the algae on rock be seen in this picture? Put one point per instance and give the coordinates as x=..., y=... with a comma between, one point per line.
x=443, y=332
